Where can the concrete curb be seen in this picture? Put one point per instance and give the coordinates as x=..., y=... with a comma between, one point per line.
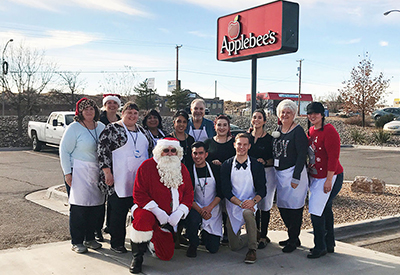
x=53, y=193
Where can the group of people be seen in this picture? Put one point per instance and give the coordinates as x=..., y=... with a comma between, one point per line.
x=199, y=177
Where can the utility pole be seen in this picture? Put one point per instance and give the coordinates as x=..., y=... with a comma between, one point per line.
x=215, y=89
x=299, y=74
x=177, y=86
x=4, y=71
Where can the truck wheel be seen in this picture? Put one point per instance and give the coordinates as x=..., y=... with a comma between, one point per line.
x=36, y=144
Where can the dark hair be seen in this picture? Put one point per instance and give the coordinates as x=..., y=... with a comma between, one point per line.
x=130, y=105
x=261, y=111
x=227, y=119
x=199, y=144
x=181, y=113
x=79, y=116
x=242, y=135
x=152, y=113
x=315, y=107
x=309, y=124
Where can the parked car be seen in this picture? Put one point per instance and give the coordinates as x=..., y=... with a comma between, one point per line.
x=386, y=111
x=49, y=132
x=236, y=129
x=392, y=127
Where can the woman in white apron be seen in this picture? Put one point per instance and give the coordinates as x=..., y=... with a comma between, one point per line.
x=326, y=178
x=290, y=153
x=199, y=127
x=123, y=146
x=79, y=163
x=261, y=149
x=152, y=122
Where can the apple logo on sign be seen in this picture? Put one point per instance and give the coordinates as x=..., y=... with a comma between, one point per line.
x=234, y=28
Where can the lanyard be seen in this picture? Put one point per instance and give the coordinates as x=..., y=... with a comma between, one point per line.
x=194, y=135
x=95, y=133
x=203, y=187
x=136, y=152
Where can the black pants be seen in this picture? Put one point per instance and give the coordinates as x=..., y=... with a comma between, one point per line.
x=262, y=219
x=119, y=210
x=293, y=219
x=82, y=220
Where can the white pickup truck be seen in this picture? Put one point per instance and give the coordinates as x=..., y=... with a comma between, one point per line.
x=49, y=132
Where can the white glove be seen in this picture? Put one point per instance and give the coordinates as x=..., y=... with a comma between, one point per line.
x=160, y=214
x=175, y=217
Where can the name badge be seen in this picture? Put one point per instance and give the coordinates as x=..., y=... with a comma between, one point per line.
x=137, y=154
x=276, y=162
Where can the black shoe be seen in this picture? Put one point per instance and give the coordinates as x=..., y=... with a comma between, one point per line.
x=329, y=249
x=263, y=243
x=119, y=249
x=289, y=248
x=191, y=252
x=98, y=236
x=285, y=242
x=225, y=240
x=106, y=230
x=136, y=265
x=316, y=254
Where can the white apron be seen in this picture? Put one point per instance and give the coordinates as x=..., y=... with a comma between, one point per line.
x=198, y=134
x=204, y=194
x=84, y=190
x=243, y=189
x=317, y=198
x=126, y=161
x=266, y=203
x=286, y=196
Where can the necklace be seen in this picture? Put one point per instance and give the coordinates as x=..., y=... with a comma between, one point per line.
x=95, y=133
x=203, y=187
x=289, y=127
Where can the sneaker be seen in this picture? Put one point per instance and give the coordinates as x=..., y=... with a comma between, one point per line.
x=79, y=248
x=251, y=257
x=191, y=251
x=93, y=244
x=119, y=249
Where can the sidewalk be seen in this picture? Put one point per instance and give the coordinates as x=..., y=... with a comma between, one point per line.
x=57, y=258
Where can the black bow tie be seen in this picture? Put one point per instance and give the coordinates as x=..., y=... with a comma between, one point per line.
x=238, y=165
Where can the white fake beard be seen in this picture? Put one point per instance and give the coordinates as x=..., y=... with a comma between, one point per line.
x=169, y=169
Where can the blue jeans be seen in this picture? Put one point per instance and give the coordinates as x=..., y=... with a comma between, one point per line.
x=323, y=226
x=193, y=222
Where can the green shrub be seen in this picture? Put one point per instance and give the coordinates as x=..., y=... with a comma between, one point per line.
x=357, y=136
x=381, y=136
x=383, y=120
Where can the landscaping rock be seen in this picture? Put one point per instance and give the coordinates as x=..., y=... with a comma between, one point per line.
x=368, y=185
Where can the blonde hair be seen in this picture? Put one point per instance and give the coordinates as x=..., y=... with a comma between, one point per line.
x=286, y=104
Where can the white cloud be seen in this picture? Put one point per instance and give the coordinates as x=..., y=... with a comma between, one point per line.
x=52, y=38
x=202, y=34
x=384, y=43
x=106, y=5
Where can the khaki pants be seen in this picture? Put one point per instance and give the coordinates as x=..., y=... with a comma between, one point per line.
x=238, y=241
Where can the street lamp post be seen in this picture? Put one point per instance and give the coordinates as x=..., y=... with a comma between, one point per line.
x=4, y=73
x=386, y=13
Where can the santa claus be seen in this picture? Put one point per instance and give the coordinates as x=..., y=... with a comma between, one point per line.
x=163, y=195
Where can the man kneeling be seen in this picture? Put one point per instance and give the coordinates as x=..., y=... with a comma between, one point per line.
x=163, y=195
x=243, y=185
x=206, y=211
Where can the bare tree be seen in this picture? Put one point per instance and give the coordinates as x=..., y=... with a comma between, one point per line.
x=29, y=75
x=333, y=102
x=122, y=82
x=362, y=92
x=75, y=85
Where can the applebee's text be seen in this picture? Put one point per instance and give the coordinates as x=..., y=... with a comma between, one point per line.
x=247, y=42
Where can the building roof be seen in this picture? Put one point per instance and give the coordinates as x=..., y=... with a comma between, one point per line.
x=281, y=96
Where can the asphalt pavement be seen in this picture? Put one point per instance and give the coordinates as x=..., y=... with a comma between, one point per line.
x=57, y=257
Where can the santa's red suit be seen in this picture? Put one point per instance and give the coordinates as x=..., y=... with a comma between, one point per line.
x=149, y=193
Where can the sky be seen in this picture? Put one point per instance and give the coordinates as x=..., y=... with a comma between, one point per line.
x=98, y=36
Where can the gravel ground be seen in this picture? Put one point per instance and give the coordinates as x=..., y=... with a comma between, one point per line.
x=351, y=207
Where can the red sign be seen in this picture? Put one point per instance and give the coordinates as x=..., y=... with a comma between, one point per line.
x=266, y=30
x=280, y=96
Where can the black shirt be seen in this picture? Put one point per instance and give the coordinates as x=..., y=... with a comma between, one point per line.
x=262, y=148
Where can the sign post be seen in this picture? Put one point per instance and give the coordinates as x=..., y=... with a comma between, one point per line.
x=266, y=30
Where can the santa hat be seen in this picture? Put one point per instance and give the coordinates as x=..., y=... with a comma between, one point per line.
x=115, y=97
x=168, y=141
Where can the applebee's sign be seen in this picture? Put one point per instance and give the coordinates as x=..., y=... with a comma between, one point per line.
x=266, y=30
x=235, y=45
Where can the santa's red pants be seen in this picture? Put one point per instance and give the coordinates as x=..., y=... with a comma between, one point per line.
x=145, y=221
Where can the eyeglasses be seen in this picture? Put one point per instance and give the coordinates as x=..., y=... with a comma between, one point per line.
x=167, y=150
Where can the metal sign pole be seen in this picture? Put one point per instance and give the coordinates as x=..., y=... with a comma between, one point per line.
x=253, y=84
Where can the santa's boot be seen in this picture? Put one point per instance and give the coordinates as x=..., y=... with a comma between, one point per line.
x=138, y=249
